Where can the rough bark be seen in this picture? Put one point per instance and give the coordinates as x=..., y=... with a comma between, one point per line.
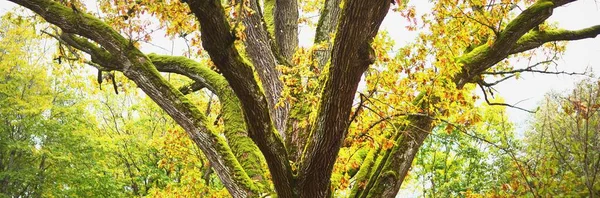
x=285, y=15
x=392, y=169
x=327, y=25
x=361, y=180
x=218, y=41
x=246, y=152
x=264, y=59
x=351, y=56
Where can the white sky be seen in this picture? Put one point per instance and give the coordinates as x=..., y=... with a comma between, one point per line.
x=530, y=88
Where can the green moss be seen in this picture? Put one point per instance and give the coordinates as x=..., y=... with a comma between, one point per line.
x=59, y=15
x=244, y=149
x=479, y=53
x=239, y=174
x=322, y=36
x=554, y=35
x=358, y=157
x=224, y=151
x=374, y=187
x=537, y=7
x=244, y=59
x=269, y=16
x=364, y=172
x=375, y=172
x=378, y=189
x=474, y=55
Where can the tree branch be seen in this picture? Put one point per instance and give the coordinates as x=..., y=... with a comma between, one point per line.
x=218, y=40
x=98, y=55
x=234, y=127
x=191, y=88
x=282, y=16
x=485, y=96
x=351, y=56
x=136, y=66
x=528, y=68
x=264, y=55
x=482, y=82
x=536, y=39
x=328, y=23
x=484, y=56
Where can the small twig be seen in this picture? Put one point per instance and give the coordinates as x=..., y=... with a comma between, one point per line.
x=482, y=82
x=531, y=69
x=500, y=104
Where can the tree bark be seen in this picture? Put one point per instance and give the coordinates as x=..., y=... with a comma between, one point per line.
x=351, y=56
x=286, y=27
x=218, y=41
x=246, y=152
x=264, y=59
x=328, y=23
x=512, y=39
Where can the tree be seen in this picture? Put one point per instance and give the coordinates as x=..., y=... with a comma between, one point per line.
x=291, y=107
x=44, y=141
x=562, y=145
x=471, y=161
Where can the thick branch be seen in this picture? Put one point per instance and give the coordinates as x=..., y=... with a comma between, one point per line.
x=98, y=55
x=393, y=169
x=265, y=60
x=389, y=172
x=327, y=25
x=558, y=3
x=296, y=133
x=484, y=56
x=235, y=130
x=191, y=88
x=138, y=68
x=285, y=15
x=218, y=40
x=71, y=21
x=351, y=56
x=536, y=39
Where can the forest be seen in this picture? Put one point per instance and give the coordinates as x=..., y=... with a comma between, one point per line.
x=293, y=98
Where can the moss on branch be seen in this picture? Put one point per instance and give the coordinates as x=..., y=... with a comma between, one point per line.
x=234, y=126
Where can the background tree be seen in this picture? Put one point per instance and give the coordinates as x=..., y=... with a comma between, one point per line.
x=271, y=111
x=456, y=161
x=44, y=135
x=562, y=146
x=552, y=160
x=62, y=136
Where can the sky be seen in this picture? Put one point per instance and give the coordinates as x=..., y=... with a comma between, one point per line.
x=528, y=91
